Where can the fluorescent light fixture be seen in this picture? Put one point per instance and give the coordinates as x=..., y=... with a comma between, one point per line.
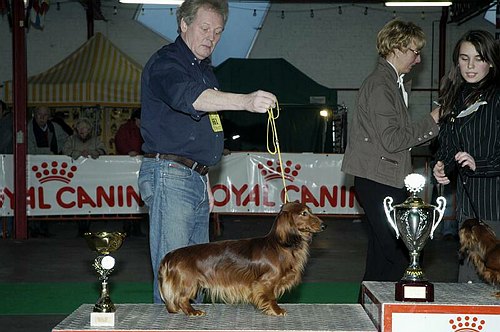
x=418, y=3
x=155, y=2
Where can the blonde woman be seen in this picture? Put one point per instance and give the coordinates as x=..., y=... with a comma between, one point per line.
x=83, y=143
x=379, y=143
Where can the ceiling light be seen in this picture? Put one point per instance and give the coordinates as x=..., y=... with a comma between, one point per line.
x=410, y=3
x=324, y=113
x=155, y=2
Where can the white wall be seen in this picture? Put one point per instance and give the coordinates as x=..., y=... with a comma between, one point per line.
x=337, y=51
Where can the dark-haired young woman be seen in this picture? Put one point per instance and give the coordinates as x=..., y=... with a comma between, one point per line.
x=469, y=139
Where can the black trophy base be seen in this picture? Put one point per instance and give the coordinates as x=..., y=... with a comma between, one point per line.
x=414, y=291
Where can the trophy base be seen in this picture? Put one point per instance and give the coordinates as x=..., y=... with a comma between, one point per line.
x=102, y=319
x=414, y=291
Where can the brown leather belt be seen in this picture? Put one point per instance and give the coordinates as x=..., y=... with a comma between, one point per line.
x=202, y=169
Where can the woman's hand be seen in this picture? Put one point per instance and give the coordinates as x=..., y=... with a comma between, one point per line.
x=465, y=160
x=439, y=174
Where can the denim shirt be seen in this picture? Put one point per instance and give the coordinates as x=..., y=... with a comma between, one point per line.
x=171, y=81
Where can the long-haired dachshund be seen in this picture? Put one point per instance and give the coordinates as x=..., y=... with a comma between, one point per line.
x=255, y=270
x=479, y=243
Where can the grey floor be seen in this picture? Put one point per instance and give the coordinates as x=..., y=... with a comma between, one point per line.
x=337, y=255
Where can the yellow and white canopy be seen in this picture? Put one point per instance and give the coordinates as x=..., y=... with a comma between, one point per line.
x=97, y=73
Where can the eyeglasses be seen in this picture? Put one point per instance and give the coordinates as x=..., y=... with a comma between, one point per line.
x=417, y=53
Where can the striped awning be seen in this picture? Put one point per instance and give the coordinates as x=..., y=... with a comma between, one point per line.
x=97, y=73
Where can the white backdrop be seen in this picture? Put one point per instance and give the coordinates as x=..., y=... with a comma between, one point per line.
x=241, y=182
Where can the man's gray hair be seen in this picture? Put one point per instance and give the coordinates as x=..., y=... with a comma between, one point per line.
x=189, y=8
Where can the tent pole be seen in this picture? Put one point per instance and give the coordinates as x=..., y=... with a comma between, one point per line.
x=19, y=84
x=90, y=18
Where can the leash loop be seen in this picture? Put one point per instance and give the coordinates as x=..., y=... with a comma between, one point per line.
x=272, y=133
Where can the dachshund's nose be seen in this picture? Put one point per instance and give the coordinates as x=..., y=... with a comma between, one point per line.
x=323, y=227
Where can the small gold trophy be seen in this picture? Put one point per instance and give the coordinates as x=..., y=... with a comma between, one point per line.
x=415, y=221
x=104, y=243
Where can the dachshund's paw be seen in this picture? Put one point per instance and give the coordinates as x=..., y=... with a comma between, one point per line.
x=194, y=313
x=278, y=311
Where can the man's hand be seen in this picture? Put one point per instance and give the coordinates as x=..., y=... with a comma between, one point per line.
x=260, y=101
x=439, y=175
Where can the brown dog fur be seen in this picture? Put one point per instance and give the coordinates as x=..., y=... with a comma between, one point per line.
x=255, y=270
x=480, y=244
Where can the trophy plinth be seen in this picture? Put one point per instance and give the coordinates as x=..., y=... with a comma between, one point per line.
x=414, y=291
x=415, y=221
x=104, y=243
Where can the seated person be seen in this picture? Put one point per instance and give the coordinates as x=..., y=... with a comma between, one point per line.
x=82, y=143
x=44, y=136
x=128, y=139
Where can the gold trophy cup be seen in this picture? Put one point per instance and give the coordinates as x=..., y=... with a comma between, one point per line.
x=104, y=243
x=414, y=221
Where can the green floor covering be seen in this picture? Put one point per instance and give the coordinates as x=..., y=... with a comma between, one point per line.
x=64, y=298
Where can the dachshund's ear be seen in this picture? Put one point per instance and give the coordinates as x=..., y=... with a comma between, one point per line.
x=291, y=206
x=285, y=230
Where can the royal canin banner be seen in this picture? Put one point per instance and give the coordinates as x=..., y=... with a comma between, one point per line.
x=253, y=183
x=241, y=183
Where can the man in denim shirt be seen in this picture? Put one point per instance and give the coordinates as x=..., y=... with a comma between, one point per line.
x=182, y=131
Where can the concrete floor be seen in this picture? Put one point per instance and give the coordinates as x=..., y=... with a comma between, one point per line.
x=337, y=255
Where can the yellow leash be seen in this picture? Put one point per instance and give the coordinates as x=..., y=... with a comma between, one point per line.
x=271, y=129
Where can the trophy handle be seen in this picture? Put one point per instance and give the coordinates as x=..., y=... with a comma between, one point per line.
x=441, y=201
x=388, y=209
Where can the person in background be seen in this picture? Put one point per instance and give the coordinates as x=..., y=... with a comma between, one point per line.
x=469, y=140
x=379, y=143
x=128, y=139
x=6, y=147
x=48, y=138
x=83, y=143
x=44, y=136
x=182, y=131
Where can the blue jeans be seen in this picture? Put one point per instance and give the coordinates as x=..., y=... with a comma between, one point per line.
x=178, y=209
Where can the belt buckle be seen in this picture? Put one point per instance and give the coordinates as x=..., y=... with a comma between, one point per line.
x=202, y=169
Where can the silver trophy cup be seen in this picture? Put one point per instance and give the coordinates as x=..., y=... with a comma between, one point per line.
x=414, y=221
